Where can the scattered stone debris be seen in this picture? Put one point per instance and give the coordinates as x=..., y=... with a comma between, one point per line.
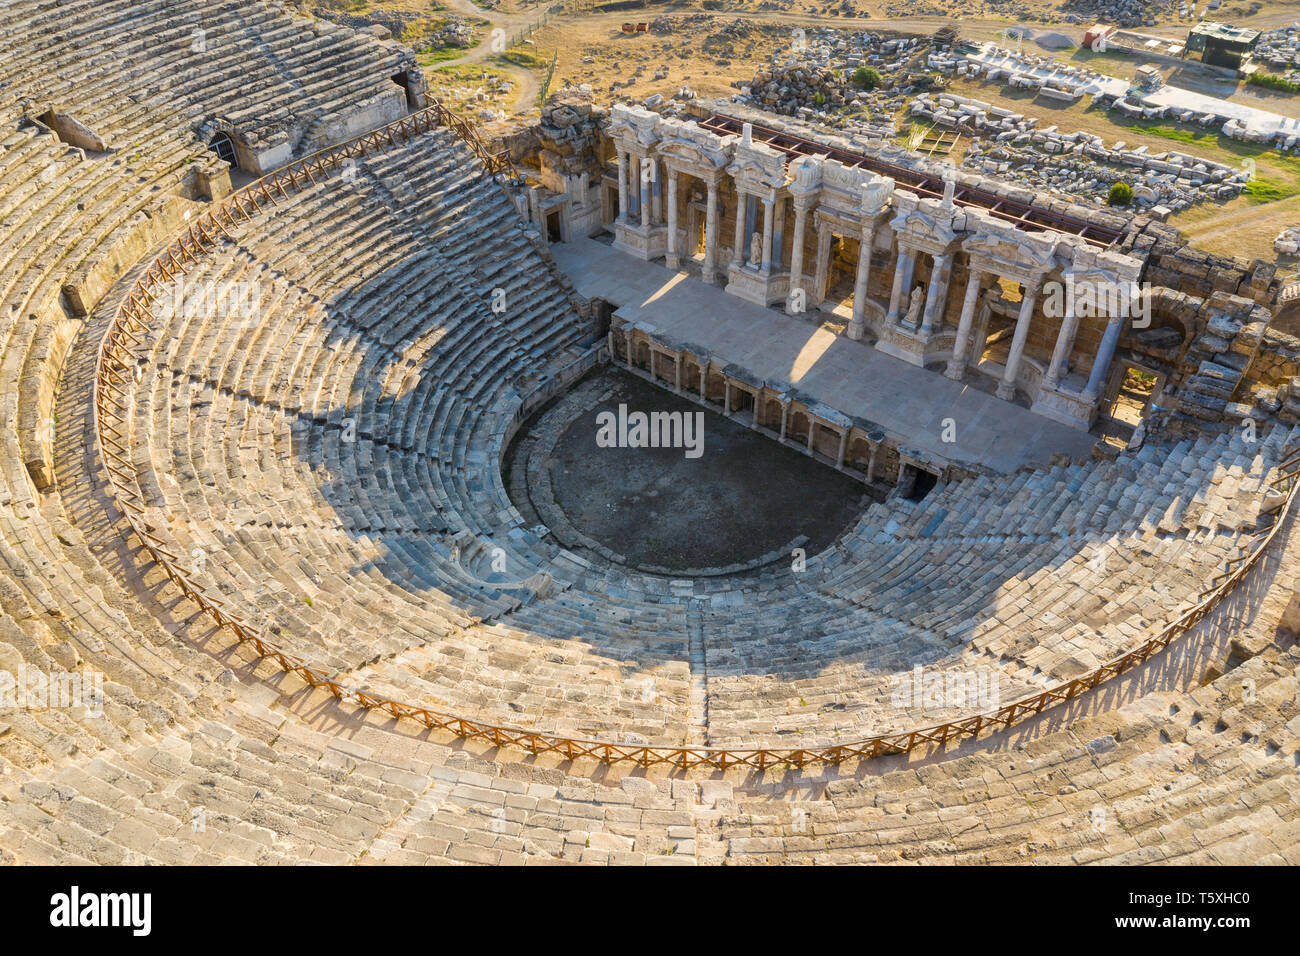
x=392, y=22
x=1122, y=13
x=1287, y=241
x=1280, y=49
x=1077, y=164
x=456, y=33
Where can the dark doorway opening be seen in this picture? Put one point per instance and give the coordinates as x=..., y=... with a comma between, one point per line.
x=224, y=147
x=916, y=483
x=403, y=80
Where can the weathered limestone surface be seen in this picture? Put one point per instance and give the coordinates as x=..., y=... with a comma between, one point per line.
x=327, y=462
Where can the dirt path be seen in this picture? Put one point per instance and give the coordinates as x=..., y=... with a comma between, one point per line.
x=526, y=82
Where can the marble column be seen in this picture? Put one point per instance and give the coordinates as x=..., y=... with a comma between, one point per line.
x=647, y=209
x=1007, y=387
x=785, y=419
x=858, y=326
x=957, y=364
x=1064, y=343
x=739, y=251
x=896, y=295
x=711, y=235
x=754, y=422
x=671, y=258
x=656, y=194
x=654, y=377
x=726, y=396
x=812, y=433
x=844, y=445
x=622, y=186
x=677, y=373
x=751, y=223
x=704, y=381
x=631, y=343
x=778, y=236
x=822, y=276
x=796, y=248
x=980, y=339
x=767, y=236
x=1105, y=355
x=936, y=297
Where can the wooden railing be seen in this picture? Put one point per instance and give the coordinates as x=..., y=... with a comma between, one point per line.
x=496, y=164
x=114, y=373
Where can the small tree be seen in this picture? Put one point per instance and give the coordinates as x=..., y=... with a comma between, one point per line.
x=819, y=100
x=866, y=78
x=1121, y=194
x=545, y=90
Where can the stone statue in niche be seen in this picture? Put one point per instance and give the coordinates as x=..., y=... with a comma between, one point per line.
x=755, y=250
x=914, y=307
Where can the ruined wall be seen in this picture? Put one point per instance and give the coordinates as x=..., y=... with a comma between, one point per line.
x=569, y=139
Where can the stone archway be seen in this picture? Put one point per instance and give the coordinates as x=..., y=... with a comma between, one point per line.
x=224, y=146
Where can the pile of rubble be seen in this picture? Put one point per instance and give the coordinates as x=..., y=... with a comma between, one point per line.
x=456, y=33
x=847, y=50
x=802, y=88
x=569, y=135
x=1080, y=177
x=1077, y=163
x=825, y=96
x=383, y=23
x=1279, y=48
x=812, y=79
x=1287, y=242
x=1122, y=13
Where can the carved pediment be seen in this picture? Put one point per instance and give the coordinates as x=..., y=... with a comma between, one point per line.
x=807, y=174
x=1091, y=264
x=876, y=193
x=756, y=166
x=633, y=125
x=923, y=222
x=1013, y=252
x=1016, y=260
x=690, y=143
x=755, y=175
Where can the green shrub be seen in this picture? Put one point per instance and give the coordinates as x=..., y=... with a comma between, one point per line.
x=1273, y=82
x=866, y=78
x=1121, y=194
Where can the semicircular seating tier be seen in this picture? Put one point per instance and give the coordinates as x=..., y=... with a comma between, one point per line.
x=328, y=448
x=378, y=559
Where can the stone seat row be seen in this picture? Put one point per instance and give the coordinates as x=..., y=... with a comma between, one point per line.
x=251, y=66
x=193, y=763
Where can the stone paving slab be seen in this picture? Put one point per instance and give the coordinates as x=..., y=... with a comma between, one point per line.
x=910, y=403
